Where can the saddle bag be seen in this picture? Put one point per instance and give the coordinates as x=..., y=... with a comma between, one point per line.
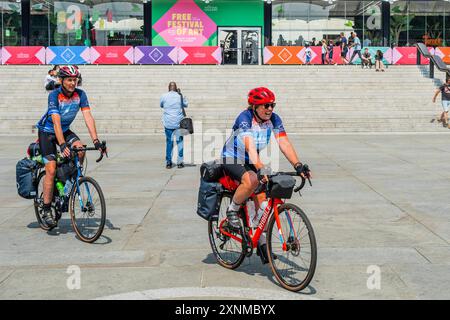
x=211, y=171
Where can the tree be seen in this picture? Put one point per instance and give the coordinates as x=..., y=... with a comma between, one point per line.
x=400, y=24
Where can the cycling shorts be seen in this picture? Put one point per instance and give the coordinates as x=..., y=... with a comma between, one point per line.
x=48, y=142
x=235, y=170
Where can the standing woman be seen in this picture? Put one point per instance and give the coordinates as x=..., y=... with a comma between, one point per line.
x=324, y=51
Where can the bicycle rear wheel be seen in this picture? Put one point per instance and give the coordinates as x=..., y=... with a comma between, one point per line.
x=87, y=209
x=297, y=255
x=228, y=252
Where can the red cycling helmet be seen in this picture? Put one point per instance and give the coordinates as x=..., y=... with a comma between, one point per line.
x=69, y=72
x=261, y=95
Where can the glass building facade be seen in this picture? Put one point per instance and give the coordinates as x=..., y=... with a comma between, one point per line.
x=284, y=22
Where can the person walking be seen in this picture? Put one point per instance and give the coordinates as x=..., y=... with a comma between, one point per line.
x=330, y=49
x=444, y=90
x=173, y=103
x=308, y=55
x=357, y=45
x=344, y=48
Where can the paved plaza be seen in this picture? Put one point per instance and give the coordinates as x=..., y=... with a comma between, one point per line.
x=377, y=201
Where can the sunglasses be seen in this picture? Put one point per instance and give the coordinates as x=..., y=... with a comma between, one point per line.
x=268, y=105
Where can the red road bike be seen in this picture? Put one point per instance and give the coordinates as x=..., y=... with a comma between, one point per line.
x=291, y=244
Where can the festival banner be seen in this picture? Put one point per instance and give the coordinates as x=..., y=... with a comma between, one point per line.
x=112, y=55
x=402, y=55
x=373, y=51
x=155, y=55
x=185, y=24
x=68, y=55
x=23, y=55
x=199, y=55
x=444, y=53
x=282, y=55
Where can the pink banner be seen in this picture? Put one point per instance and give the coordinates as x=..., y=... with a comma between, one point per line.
x=185, y=24
x=403, y=55
x=199, y=55
x=23, y=55
x=112, y=55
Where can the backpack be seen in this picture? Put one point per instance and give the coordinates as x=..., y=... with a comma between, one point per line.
x=209, y=198
x=26, y=178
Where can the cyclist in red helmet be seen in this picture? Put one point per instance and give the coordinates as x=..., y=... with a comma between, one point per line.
x=251, y=133
x=54, y=129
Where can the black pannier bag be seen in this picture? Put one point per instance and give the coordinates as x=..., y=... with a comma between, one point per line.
x=209, y=197
x=26, y=177
x=65, y=171
x=211, y=171
x=282, y=187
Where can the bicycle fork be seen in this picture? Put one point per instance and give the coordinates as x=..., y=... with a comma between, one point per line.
x=291, y=234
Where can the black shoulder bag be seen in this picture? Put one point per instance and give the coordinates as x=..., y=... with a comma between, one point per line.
x=186, y=124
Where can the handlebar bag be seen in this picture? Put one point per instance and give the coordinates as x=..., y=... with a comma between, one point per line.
x=282, y=187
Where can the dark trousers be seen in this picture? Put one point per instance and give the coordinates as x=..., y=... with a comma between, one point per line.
x=356, y=52
x=170, y=134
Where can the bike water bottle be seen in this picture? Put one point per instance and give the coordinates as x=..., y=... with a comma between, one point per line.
x=60, y=188
x=251, y=211
x=259, y=214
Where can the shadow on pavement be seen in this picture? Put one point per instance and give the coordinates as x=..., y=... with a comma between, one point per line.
x=253, y=266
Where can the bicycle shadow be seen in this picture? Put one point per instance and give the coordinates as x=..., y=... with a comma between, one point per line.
x=253, y=266
x=65, y=227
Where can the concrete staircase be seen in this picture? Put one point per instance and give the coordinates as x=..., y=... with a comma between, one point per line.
x=310, y=99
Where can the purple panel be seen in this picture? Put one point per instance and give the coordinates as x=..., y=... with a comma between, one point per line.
x=155, y=55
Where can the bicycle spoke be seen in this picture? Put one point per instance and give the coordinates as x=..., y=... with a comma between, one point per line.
x=294, y=264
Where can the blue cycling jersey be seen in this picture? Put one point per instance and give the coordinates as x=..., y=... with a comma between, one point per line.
x=247, y=125
x=66, y=107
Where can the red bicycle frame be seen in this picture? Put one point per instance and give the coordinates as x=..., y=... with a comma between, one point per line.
x=272, y=204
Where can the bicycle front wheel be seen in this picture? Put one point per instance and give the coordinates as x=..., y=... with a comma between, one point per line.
x=292, y=250
x=87, y=209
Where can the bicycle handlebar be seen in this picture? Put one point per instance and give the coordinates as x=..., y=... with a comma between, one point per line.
x=261, y=187
x=85, y=148
x=295, y=174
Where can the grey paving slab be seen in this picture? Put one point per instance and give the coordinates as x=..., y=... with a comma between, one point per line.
x=46, y=257
x=370, y=256
x=429, y=282
x=95, y=282
x=376, y=200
